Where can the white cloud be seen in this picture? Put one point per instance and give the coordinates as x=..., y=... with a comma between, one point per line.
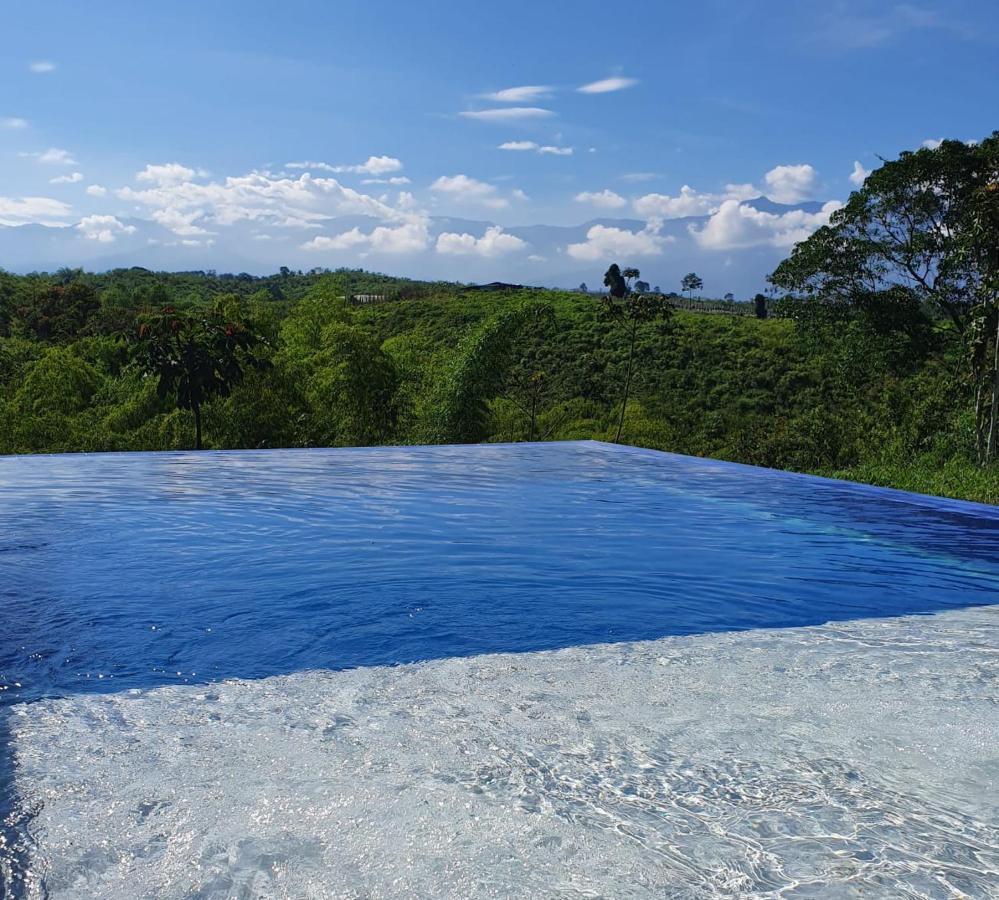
x=508, y=114
x=53, y=157
x=13, y=123
x=103, y=229
x=791, y=184
x=736, y=225
x=395, y=180
x=543, y=149
x=524, y=94
x=858, y=174
x=33, y=210
x=41, y=67
x=606, y=85
x=96, y=190
x=604, y=242
x=635, y=177
x=932, y=143
x=72, y=178
x=690, y=202
x=495, y=242
x=191, y=208
x=373, y=165
x=409, y=237
x=605, y=199
x=466, y=189
x=166, y=175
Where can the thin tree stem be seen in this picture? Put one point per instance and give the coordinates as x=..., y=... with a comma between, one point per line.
x=627, y=382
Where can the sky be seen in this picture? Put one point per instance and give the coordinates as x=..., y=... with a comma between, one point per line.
x=351, y=132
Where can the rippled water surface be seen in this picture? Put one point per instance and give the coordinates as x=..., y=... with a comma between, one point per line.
x=636, y=674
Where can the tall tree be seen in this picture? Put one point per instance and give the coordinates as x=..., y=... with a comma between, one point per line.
x=691, y=282
x=614, y=281
x=633, y=311
x=909, y=228
x=194, y=357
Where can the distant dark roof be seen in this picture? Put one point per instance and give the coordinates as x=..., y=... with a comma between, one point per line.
x=495, y=286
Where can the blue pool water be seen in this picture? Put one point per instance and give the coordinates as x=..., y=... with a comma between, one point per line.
x=633, y=674
x=159, y=568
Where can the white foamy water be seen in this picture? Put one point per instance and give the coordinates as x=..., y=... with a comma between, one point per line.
x=850, y=760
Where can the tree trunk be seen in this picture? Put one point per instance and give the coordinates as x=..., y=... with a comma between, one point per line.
x=196, y=409
x=627, y=383
x=990, y=447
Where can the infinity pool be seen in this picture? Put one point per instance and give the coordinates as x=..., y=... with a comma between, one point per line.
x=504, y=670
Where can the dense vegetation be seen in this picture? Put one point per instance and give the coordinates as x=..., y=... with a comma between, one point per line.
x=879, y=361
x=438, y=363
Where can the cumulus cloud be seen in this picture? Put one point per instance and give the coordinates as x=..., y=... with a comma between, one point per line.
x=13, y=123
x=409, y=237
x=606, y=85
x=470, y=190
x=858, y=174
x=690, y=202
x=166, y=175
x=33, y=211
x=735, y=225
x=72, y=178
x=536, y=148
x=605, y=199
x=373, y=165
x=42, y=67
x=603, y=242
x=523, y=94
x=96, y=190
x=791, y=184
x=932, y=143
x=189, y=207
x=508, y=114
x=495, y=242
x=103, y=229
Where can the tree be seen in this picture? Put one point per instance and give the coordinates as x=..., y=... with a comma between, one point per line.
x=194, y=357
x=614, y=282
x=760, y=306
x=691, y=282
x=583, y=289
x=730, y=298
x=909, y=227
x=459, y=409
x=630, y=274
x=58, y=312
x=642, y=287
x=633, y=311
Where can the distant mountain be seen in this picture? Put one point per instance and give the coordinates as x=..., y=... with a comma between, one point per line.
x=546, y=258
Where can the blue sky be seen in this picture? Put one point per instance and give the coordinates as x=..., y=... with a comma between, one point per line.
x=712, y=95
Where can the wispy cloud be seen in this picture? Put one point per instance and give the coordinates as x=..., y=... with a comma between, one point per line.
x=373, y=165
x=72, y=178
x=42, y=67
x=606, y=85
x=533, y=146
x=847, y=28
x=508, y=114
x=33, y=210
x=523, y=94
x=14, y=123
x=635, y=177
x=464, y=188
x=52, y=157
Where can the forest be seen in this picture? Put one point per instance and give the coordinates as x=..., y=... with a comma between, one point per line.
x=878, y=361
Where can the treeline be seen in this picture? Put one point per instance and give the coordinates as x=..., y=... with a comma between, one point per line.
x=86, y=363
x=881, y=364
